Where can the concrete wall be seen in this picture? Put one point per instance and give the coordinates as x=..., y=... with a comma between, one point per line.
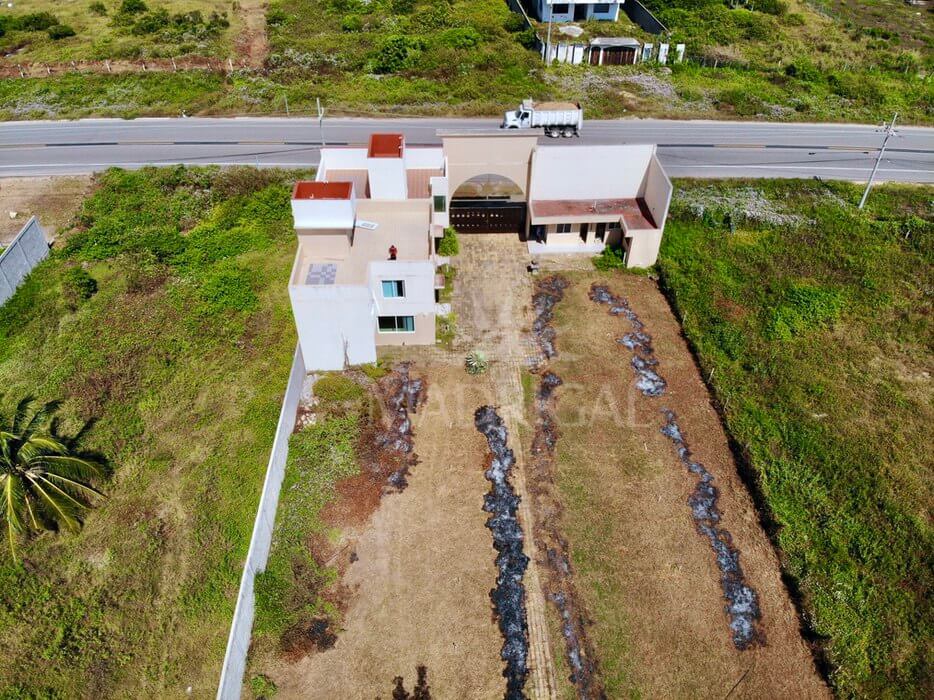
x=589, y=172
x=335, y=325
x=238, y=642
x=640, y=14
x=656, y=191
x=424, y=333
x=27, y=250
x=563, y=52
x=324, y=213
x=643, y=247
x=507, y=155
x=544, y=10
x=419, y=279
x=387, y=178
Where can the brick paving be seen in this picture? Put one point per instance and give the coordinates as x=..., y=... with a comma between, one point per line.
x=492, y=300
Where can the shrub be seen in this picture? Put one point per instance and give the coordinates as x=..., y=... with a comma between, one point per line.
x=133, y=7
x=803, y=307
x=460, y=38
x=402, y=7
x=446, y=330
x=449, y=245
x=77, y=286
x=276, y=17
x=771, y=7
x=227, y=288
x=528, y=38
x=242, y=180
x=742, y=101
x=60, y=31
x=395, y=54
x=151, y=22
x=374, y=371
x=803, y=69
x=514, y=23
x=33, y=22
x=612, y=258
x=352, y=23
x=336, y=388
x=476, y=362
x=98, y=8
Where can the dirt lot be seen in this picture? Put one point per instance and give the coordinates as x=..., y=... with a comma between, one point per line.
x=649, y=580
x=423, y=570
x=53, y=199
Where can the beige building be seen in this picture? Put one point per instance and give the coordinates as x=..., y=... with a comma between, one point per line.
x=365, y=272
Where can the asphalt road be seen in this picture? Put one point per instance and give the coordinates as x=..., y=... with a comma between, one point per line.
x=687, y=148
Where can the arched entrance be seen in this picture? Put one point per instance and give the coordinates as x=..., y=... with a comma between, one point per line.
x=488, y=203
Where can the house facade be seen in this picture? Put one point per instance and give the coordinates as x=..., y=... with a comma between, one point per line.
x=366, y=268
x=547, y=10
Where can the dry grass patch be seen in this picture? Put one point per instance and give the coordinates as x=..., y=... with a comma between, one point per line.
x=647, y=577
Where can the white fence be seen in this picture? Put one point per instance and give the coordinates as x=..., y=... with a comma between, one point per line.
x=27, y=250
x=238, y=643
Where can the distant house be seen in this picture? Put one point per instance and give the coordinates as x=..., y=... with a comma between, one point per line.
x=366, y=268
x=547, y=10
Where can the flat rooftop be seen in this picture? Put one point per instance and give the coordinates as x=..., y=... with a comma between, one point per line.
x=632, y=211
x=418, y=180
x=404, y=224
x=309, y=189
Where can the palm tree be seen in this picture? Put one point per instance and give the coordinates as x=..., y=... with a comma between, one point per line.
x=44, y=483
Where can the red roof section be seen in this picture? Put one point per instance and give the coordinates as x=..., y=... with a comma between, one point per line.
x=386, y=146
x=309, y=189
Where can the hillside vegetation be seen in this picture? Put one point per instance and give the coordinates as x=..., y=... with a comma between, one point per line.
x=115, y=29
x=179, y=360
x=812, y=322
x=832, y=60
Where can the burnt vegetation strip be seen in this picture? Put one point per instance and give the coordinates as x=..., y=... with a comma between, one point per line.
x=547, y=508
x=508, y=597
x=742, y=603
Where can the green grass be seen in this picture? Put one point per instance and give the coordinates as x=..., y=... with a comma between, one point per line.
x=471, y=58
x=116, y=36
x=817, y=338
x=397, y=55
x=290, y=590
x=84, y=95
x=180, y=358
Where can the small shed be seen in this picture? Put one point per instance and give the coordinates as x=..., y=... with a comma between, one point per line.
x=614, y=51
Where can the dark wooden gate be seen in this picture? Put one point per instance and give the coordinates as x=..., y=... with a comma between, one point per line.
x=487, y=216
x=619, y=56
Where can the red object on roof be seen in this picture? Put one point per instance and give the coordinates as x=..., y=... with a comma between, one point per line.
x=308, y=189
x=386, y=146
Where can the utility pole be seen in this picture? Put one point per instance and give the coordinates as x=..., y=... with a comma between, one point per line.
x=548, y=40
x=889, y=131
x=320, y=119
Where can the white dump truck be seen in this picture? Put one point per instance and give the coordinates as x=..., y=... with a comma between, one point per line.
x=557, y=118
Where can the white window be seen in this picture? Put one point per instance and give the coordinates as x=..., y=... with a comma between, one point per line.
x=563, y=228
x=393, y=289
x=396, y=324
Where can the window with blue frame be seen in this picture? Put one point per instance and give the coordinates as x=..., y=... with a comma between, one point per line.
x=601, y=8
x=396, y=324
x=393, y=289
